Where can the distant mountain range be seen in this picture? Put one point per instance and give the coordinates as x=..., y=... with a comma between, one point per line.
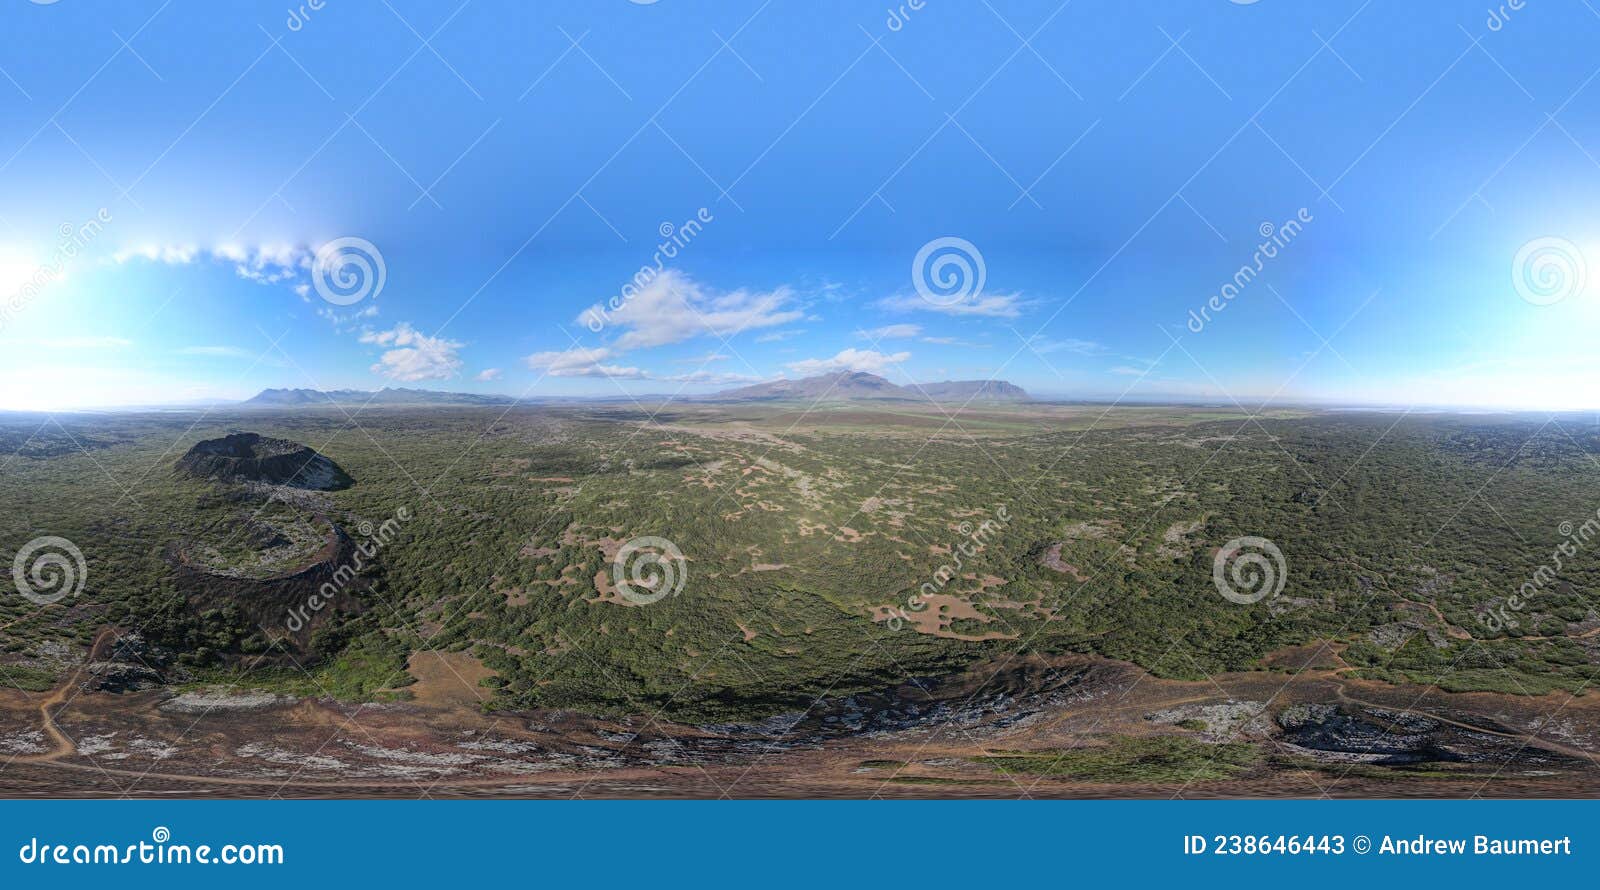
x=860, y=385
x=289, y=398
x=843, y=386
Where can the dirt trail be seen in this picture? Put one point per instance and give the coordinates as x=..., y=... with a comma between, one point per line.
x=62, y=746
x=1342, y=691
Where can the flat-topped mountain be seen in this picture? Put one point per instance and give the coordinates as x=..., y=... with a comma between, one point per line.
x=252, y=457
x=288, y=398
x=854, y=385
x=975, y=390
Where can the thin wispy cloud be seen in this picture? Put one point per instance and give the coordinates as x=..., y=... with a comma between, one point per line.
x=706, y=359
x=891, y=332
x=714, y=377
x=584, y=361
x=1045, y=345
x=780, y=336
x=982, y=305
x=343, y=322
x=955, y=341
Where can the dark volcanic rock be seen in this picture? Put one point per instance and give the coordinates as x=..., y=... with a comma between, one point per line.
x=251, y=457
x=289, y=608
x=127, y=663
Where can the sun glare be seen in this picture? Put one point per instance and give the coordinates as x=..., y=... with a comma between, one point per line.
x=17, y=268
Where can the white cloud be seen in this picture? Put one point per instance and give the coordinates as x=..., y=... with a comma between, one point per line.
x=891, y=332
x=716, y=377
x=489, y=374
x=849, y=360
x=171, y=254
x=1044, y=345
x=671, y=308
x=706, y=359
x=582, y=361
x=780, y=336
x=343, y=320
x=263, y=263
x=985, y=305
x=414, y=355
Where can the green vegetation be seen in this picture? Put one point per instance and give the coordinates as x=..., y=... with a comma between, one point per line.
x=802, y=533
x=26, y=678
x=1156, y=760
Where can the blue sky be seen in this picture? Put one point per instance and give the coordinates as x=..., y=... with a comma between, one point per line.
x=170, y=172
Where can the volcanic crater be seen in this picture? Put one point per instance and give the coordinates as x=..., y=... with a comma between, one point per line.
x=252, y=457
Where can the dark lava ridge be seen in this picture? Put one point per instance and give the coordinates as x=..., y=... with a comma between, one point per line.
x=252, y=457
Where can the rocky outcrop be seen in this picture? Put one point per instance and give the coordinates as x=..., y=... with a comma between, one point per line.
x=251, y=457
